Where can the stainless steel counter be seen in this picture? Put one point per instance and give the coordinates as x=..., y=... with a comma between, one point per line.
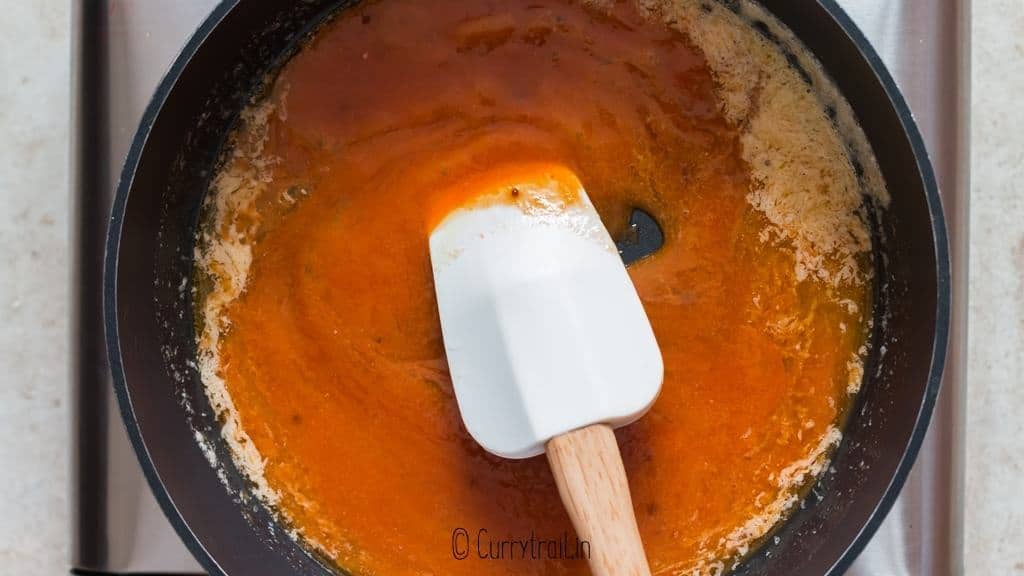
x=123, y=47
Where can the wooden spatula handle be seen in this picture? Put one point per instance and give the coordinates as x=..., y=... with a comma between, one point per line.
x=592, y=482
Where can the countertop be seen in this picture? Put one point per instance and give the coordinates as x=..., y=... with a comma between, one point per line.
x=994, y=514
x=34, y=290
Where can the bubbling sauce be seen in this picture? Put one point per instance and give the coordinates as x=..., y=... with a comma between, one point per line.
x=320, y=341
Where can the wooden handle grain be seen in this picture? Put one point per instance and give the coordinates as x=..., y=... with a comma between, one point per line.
x=592, y=482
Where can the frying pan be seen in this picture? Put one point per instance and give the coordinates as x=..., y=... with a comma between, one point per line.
x=151, y=340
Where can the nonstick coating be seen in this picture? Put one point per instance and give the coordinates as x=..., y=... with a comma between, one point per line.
x=150, y=336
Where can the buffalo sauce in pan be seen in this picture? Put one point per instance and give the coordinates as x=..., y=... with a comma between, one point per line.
x=320, y=332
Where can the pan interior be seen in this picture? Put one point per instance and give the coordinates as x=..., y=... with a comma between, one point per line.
x=156, y=254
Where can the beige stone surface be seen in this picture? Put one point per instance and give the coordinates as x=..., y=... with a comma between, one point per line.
x=33, y=286
x=994, y=499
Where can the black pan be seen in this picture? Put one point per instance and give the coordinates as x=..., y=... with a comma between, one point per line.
x=150, y=335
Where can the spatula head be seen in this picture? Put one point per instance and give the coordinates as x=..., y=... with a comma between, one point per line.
x=543, y=328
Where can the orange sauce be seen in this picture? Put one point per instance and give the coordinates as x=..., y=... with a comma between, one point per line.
x=334, y=358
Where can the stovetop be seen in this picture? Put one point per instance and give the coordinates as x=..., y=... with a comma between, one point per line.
x=123, y=47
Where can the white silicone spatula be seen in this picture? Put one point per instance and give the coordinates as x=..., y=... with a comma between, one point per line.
x=548, y=344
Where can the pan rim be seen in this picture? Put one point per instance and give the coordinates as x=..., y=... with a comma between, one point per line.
x=830, y=7
x=110, y=296
x=943, y=284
